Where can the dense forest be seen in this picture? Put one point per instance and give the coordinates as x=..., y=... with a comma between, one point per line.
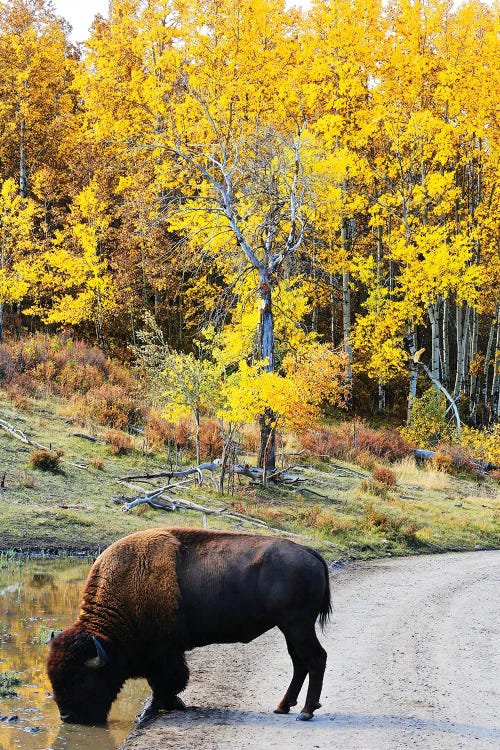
x=268, y=190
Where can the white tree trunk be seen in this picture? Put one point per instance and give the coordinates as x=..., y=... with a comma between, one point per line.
x=463, y=316
x=380, y=253
x=445, y=349
x=433, y=312
x=486, y=371
x=473, y=382
x=495, y=384
x=412, y=393
x=346, y=324
x=23, y=178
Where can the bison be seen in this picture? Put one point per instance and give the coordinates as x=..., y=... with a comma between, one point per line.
x=155, y=594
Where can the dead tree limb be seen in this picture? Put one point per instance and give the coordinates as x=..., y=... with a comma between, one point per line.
x=163, y=474
x=19, y=435
x=153, y=499
x=437, y=383
x=212, y=467
x=313, y=492
x=350, y=471
x=256, y=474
x=92, y=438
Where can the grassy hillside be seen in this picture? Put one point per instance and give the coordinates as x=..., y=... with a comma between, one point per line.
x=341, y=508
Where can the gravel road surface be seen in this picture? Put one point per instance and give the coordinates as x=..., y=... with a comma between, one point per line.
x=413, y=662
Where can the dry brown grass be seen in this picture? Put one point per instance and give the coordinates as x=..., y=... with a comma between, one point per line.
x=409, y=473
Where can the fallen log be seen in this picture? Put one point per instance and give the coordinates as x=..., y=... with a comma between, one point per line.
x=152, y=500
x=163, y=474
x=212, y=467
x=84, y=436
x=138, y=488
x=483, y=467
x=423, y=455
x=256, y=473
x=252, y=472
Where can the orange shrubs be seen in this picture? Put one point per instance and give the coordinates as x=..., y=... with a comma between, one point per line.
x=119, y=442
x=385, y=476
x=158, y=432
x=98, y=388
x=211, y=442
x=352, y=439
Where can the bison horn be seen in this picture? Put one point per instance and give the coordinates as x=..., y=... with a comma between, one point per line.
x=96, y=662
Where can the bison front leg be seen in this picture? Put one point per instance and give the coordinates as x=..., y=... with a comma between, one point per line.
x=166, y=683
x=154, y=705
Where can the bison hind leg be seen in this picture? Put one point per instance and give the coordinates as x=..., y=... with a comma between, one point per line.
x=299, y=675
x=308, y=658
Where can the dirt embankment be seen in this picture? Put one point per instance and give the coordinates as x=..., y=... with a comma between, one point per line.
x=413, y=663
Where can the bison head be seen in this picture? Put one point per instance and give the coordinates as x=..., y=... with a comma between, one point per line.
x=85, y=681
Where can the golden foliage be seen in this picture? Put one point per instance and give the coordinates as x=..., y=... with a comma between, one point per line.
x=482, y=444
x=310, y=378
x=169, y=167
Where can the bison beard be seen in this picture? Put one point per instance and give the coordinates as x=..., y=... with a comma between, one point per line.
x=155, y=594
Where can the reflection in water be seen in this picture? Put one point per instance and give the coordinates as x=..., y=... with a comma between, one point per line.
x=36, y=597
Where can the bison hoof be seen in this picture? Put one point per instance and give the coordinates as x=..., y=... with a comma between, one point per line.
x=175, y=704
x=284, y=707
x=304, y=717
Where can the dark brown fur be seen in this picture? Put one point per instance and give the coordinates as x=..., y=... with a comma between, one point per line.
x=155, y=594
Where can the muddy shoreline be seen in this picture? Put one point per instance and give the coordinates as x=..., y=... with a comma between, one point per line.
x=45, y=547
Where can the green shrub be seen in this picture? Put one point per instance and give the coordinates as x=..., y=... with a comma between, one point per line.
x=429, y=423
x=399, y=527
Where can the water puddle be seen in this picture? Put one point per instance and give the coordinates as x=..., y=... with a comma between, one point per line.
x=36, y=597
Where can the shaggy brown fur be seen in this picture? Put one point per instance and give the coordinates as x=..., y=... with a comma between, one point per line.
x=129, y=566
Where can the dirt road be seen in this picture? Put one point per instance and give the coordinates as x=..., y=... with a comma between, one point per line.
x=413, y=662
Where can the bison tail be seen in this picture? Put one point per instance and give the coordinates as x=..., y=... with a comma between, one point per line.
x=326, y=605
